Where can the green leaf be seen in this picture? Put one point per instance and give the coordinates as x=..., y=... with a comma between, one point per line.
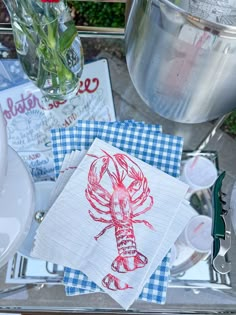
x=52, y=33
x=54, y=80
x=69, y=23
x=67, y=38
x=49, y=67
x=42, y=75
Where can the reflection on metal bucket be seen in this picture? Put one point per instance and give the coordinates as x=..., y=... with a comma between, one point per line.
x=183, y=67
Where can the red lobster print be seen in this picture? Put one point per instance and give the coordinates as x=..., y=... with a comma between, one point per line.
x=113, y=283
x=119, y=207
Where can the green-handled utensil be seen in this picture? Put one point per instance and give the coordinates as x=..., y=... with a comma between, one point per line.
x=221, y=231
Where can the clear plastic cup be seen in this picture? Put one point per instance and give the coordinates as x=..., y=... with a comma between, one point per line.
x=199, y=173
x=197, y=234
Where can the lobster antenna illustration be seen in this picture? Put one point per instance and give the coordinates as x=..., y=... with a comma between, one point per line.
x=92, y=155
x=119, y=178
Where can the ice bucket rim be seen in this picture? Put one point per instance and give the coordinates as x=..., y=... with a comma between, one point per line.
x=214, y=27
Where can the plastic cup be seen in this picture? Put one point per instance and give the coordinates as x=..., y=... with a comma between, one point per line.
x=197, y=234
x=199, y=173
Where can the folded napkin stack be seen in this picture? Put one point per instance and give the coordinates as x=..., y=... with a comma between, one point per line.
x=115, y=211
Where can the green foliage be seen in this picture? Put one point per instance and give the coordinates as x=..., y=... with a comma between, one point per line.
x=230, y=123
x=100, y=13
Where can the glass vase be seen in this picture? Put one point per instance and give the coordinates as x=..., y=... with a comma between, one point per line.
x=48, y=45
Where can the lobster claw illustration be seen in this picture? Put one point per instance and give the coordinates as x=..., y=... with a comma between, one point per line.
x=113, y=283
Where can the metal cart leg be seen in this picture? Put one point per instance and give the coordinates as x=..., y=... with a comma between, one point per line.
x=210, y=134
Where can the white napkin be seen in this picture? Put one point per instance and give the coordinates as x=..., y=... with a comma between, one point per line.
x=67, y=234
x=69, y=165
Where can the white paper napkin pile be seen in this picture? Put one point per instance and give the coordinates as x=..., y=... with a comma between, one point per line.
x=68, y=167
x=115, y=219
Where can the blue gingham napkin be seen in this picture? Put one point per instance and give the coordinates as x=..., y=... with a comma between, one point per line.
x=81, y=136
x=157, y=149
x=143, y=141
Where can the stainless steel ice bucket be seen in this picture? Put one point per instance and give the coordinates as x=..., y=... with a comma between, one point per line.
x=183, y=67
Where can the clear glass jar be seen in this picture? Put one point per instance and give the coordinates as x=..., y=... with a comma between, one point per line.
x=48, y=45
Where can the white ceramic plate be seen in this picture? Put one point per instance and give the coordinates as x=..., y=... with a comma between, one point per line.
x=3, y=149
x=42, y=197
x=16, y=206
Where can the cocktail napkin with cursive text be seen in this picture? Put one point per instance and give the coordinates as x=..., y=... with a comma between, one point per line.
x=30, y=117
